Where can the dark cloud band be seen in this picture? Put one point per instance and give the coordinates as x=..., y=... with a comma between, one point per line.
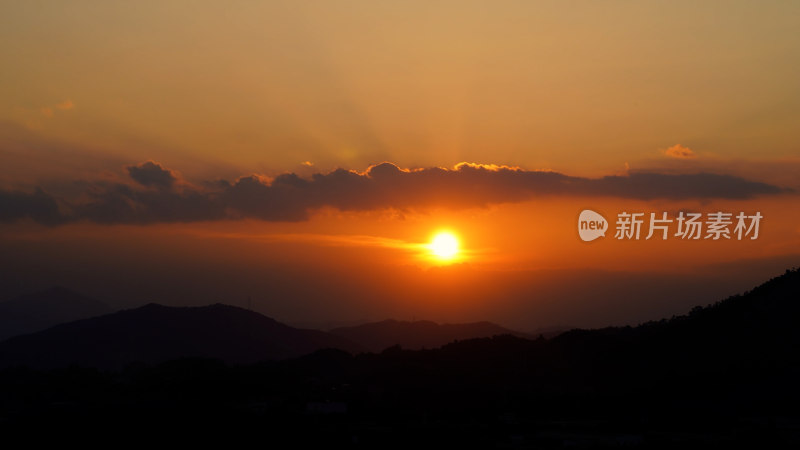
x=159, y=195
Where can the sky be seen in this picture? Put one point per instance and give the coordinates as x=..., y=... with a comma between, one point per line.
x=303, y=154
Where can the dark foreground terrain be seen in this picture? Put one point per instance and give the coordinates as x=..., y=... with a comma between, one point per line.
x=721, y=375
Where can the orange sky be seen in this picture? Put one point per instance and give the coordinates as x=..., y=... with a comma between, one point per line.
x=264, y=86
x=226, y=99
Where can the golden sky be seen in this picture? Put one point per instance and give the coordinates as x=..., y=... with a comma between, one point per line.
x=265, y=86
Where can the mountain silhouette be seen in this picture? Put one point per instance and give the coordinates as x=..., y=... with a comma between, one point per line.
x=38, y=311
x=756, y=328
x=757, y=325
x=416, y=335
x=154, y=333
x=720, y=376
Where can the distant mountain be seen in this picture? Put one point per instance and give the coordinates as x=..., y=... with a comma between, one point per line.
x=35, y=312
x=416, y=335
x=156, y=333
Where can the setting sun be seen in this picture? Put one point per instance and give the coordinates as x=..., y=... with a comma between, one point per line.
x=444, y=245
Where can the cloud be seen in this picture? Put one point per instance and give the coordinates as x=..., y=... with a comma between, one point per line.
x=39, y=206
x=680, y=152
x=110, y=203
x=649, y=186
x=157, y=196
x=150, y=173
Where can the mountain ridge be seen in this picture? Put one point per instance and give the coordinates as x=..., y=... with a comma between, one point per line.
x=760, y=323
x=418, y=334
x=155, y=333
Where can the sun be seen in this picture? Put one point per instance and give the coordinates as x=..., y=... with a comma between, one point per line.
x=444, y=245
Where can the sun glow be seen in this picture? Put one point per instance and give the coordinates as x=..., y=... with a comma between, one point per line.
x=444, y=245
